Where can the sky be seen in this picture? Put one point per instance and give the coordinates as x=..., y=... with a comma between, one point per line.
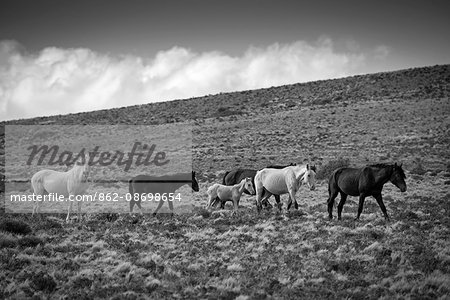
x=59, y=56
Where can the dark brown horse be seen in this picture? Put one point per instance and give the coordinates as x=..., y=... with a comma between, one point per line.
x=363, y=182
x=144, y=184
x=235, y=176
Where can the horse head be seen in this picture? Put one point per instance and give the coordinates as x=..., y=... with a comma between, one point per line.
x=398, y=177
x=309, y=177
x=249, y=185
x=81, y=166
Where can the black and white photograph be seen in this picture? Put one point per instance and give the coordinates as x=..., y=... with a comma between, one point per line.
x=206, y=149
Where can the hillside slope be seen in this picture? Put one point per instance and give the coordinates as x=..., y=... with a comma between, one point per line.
x=400, y=115
x=417, y=83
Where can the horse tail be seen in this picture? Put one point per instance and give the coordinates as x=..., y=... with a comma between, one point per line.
x=333, y=181
x=37, y=185
x=224, y=177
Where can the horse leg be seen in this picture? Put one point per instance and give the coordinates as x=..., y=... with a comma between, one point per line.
x=289, y=203
x=235, y=205
x=211, y=200
x=277, y=200
x=79, y=211
x=259, y=193
x=38, y=191
x=341, y=204
x=36, y=206
x=360, y=206
x=379, y=199
x=170, y=208
x=292, y=199
x=132, y=203
x=37, y=209
x=68, y=212
x=139, y=204
x=266, y=196
x=330, y=201
x=266, y=203
x=160, y=204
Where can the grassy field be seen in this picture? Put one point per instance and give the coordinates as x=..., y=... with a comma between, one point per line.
x=399, y=116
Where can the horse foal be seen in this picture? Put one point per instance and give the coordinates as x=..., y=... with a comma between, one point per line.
x=222, y=193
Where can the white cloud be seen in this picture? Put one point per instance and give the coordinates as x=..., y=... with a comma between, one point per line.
x=59, y=81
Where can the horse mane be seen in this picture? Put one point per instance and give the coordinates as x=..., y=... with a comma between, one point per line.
x=380, y=165
x=384, y=165
x=79, y=173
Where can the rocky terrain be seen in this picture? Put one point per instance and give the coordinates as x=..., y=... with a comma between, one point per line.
x=398, y=116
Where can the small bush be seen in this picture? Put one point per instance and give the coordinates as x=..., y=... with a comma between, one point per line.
x=30, y=241
x=14, y=226
x=327, y=169
x=7, y=241
x=418, y=169
x=203, y=212
x=48, y=223
x=43, y=282
x=225, y=112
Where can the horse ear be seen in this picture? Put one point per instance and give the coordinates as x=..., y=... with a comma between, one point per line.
x=400, y=165
x=308, y=167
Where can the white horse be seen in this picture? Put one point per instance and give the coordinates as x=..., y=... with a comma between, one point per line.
x=270, y=182
x=222, y=193
x=71, y=183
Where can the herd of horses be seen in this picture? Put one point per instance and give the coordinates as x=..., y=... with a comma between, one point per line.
x=272, y=180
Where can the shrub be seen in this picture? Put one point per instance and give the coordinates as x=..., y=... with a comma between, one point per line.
x=43, y=282
x=418, y=168
x=7, y=241
x=203, y=212
x=326, y=170
x=48, y=223
x=30, y=241
x=226, y=111
x=14, y=226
